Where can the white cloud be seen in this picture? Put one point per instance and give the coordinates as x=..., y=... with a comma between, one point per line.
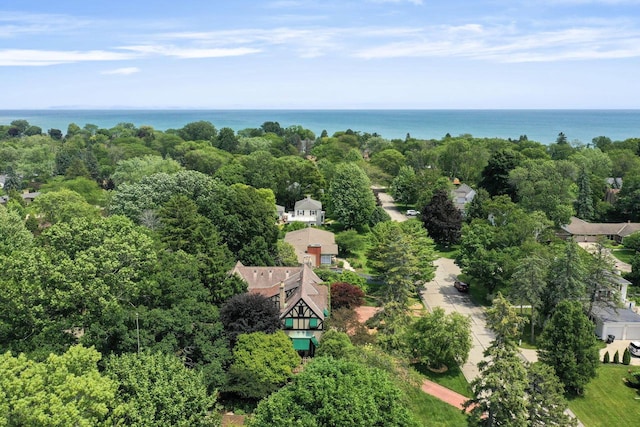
x=123, y=71
x=506, y=44
x=13, y=24
x=32, y=57
x=190, y=52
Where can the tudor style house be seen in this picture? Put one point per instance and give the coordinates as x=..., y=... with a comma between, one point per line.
x=302, y=299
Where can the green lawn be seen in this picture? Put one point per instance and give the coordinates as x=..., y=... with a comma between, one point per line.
x=433, y=412
x=624, y=255
x=451, y=379
x=607, y=401
x=447, y=252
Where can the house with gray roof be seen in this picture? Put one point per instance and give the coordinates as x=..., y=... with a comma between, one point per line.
x=462, y=195
x=306, y=210
x=300, y=296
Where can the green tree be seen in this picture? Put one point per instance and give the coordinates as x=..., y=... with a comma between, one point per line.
x=227, y=140
x=87, y=188
x=584, y=202
x=528, y=285
x=351, y=200
x=336, y=344
x=198, y=131
x=286, y=254
x=442, y=219
x=401, y=256
x=62, y=206
x=389, y=161
x=404, y=187
x=568, y=344
x=351, y=242
x=59, y=391
x=546, y=404
x=601, y=283
x=14, y=235
x=262, y=363
x=495, y=176
x=438, y=339
x=157, y=389
x=500, y=391
x=503, y=320
x=546, y=186
x=131, y=171
x=333, y=392
x=566, y=281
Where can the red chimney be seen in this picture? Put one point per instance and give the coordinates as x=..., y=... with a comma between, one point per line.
x=315, y=250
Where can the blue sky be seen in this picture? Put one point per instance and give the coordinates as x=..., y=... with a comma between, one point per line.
x=384, y=54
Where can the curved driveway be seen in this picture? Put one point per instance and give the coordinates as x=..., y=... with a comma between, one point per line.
x=441, y=293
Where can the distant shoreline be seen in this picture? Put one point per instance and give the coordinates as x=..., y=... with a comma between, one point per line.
x=542, y=125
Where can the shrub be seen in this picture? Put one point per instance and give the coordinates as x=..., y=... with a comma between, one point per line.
x=605, y=359
x=616, y=357
x=626, y=357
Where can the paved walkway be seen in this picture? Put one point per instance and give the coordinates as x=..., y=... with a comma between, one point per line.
x=446, y=395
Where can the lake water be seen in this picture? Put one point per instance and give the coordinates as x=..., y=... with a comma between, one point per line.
x=538, y=125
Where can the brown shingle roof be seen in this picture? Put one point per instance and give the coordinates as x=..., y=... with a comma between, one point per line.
x=301, y=239
x=266, y=281
x=583, y=228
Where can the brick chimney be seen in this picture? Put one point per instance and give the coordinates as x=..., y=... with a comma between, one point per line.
x=315, y=251
x=283, y=296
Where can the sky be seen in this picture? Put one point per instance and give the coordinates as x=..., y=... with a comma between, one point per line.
x=329, y=54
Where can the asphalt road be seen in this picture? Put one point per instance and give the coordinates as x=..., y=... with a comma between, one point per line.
x=441, y=293
x=390, y=207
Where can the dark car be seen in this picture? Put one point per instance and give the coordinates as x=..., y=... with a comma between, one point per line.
x=461, y=286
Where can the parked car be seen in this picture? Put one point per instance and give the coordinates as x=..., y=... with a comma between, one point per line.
x=413, y=212
x=634, y=348
x=461, y=286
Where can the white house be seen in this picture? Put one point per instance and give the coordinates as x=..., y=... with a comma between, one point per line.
x=306, y=210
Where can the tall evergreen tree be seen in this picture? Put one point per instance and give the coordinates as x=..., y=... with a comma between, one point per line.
x=546, y=404
x=442, y=219
x=528, y=284
x=584, y=203
x=495, y=176
x=566, y=279
x=568, y=344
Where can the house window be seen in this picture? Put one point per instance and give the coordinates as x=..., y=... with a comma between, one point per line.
x=313, y=323
x=300, y=213
x=312, y=213
x=325, y=259
x=288, y=323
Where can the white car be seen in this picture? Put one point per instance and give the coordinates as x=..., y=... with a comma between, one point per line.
x=412, y=212
x=634, y=348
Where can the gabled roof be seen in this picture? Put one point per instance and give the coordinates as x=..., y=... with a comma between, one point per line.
x=580, y=227
x=301, y=239
x=308, y=204
x=609, y=314
x=302, y=280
